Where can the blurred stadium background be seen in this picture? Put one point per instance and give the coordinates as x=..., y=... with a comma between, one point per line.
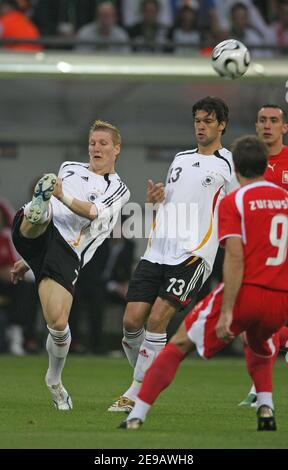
x=49, y=98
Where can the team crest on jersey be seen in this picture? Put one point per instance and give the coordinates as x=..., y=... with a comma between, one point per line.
x=285, y=176
x=93, y=195
x=209, y=179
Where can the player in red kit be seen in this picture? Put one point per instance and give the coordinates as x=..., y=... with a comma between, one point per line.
x=254, y=296
x=271, y=126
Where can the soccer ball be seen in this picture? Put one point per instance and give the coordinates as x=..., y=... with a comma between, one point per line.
x=230, y=58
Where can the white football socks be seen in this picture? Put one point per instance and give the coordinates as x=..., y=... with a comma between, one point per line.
x=150, y=348
x=133, y=390
x=140, y=410
x=57, y=345
x=131, y=343
x=265, y=398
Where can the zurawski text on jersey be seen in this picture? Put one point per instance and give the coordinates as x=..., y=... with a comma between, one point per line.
x=268, y=204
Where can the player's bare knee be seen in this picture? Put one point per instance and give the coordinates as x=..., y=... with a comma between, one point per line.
x=59, y=320
x=58, y=324
x=132, y=322
x=183, y=343
x=182, y=340
x=161, y=313
x=135, y=316
x=158, y=321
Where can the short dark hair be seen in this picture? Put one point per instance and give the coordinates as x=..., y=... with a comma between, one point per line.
x=238, y=6
x=212, y=104
x=250, y=156
x=274, y=106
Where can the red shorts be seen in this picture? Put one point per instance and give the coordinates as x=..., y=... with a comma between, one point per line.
x=259, y=312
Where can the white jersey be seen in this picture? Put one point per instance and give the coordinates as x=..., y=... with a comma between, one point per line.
x=108, y=193
x=198, y=182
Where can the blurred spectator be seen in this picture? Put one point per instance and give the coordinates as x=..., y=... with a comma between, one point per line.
x=256, y=20
x=241, y=30
x=25, y=302
x=280, y=26
x=7, y=259
x=9, y=300
x=7, y=212
x=104, y=30
x=149, y=35
x=15, y=24
x=186, y=31
x=208, y=20
x=131, y=11
x=18, y=303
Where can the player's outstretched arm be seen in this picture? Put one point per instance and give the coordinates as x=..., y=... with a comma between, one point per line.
x=83, y=208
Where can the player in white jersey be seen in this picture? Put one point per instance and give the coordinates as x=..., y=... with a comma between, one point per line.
x=58, y=232
x=192, y=179
x=175, y=265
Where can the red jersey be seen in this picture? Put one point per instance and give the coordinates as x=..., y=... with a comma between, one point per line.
x=8, y=213
x=8, y=255
x=16, y=25
x=277, y=170
x=258, y=214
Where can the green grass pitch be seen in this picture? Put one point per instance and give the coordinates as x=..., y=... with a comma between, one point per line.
x=199, y=410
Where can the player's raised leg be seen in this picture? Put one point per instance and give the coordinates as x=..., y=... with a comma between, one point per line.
x=38, y=211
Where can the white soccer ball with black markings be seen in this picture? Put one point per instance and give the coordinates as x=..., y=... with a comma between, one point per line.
x=230, y=58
